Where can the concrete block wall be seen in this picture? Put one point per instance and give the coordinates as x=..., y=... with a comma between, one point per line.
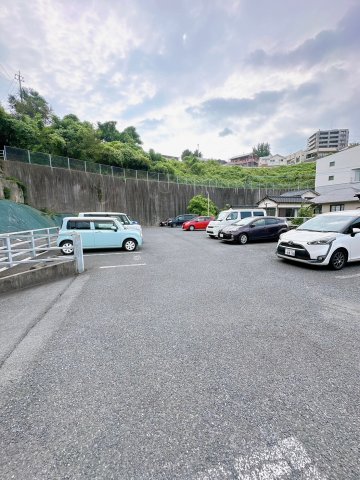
x=70, y=191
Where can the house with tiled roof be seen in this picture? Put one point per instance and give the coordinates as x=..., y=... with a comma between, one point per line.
x=287, y=204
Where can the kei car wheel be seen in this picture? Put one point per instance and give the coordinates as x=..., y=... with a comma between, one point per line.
x=191, y=227
x=338, y=260
x=129, y=245
x=67, y=247
x=243, y=238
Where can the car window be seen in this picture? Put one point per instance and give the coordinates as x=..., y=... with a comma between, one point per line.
x=77, y=225
x=258, y=214
x=123, y=219
x=245, y=214
x=180, y=218
x=259, y=223
x=244, y=221
x=356, y=223
x=271, y=221
x=104, y=225
x=232, y=216
x=327, y=223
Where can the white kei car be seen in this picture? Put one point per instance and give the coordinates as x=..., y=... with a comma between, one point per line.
x=328, y=239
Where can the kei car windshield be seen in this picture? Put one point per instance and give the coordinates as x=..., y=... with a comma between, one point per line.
x=244, y=221
x=327, y=223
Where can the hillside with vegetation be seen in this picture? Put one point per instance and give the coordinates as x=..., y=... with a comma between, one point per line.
x=31, y=124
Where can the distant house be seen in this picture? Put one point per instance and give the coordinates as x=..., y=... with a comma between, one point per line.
x=272, y=161
x=287, y=204
x=338, y=181
x=245, y=160
x=296, y=157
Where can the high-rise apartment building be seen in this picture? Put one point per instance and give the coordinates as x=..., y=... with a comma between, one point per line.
x=324, y=142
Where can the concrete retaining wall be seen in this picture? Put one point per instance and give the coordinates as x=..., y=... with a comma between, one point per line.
x=36, y=276
x=71, y=191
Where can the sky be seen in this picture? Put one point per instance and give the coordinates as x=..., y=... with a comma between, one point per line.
x=218, y=75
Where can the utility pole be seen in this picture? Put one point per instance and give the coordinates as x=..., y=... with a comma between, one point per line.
x=20, y=78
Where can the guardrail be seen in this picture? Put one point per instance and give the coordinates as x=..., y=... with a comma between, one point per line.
x=26, y=247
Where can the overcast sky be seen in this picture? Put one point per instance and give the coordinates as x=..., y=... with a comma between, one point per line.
x=221, y=74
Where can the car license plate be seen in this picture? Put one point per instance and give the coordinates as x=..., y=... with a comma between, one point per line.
x=221, y=235
x=290, y=252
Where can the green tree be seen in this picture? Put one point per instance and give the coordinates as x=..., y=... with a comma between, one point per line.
x=155, y=157
x=201, y=205
x=262, y=150
x=305, y=211
x=186, y=153
x=130, y=135
x=31, y=104
x=108, y=132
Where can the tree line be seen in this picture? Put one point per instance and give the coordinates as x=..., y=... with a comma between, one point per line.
x=31, y=124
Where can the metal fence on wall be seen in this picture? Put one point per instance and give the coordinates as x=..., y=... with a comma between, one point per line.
x=56, y=161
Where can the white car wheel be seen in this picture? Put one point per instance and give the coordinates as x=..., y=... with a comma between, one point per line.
x=130, y=245
x=67, y=247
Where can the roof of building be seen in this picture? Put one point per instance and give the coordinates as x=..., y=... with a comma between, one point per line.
x=337, y=193
x=281, y=199
x=297, y=193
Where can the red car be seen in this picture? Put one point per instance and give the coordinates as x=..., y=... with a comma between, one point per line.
x=198, y=223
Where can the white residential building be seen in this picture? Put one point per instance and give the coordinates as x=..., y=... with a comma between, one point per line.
x=297, y=157
x=338, y=181
x=339, y=168
x=272, y=161
x=325, y=142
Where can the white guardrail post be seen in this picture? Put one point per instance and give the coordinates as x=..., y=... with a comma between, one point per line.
x=78, y=253
x=9, y=254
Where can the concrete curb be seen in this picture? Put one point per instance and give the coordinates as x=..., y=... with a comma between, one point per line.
x=37, y=276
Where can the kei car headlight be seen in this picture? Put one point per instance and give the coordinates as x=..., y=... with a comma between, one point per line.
x=322, y=241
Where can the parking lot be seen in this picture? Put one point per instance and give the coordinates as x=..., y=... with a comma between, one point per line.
x=188, y=359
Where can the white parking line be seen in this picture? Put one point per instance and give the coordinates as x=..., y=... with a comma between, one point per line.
x=112, y=253
x=131, y=265
x=285, y=459
x=348, y=276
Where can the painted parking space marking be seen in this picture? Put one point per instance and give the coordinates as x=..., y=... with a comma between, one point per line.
x=284, y=460
x=107, y=254
x=348, y=276
x=119, y=266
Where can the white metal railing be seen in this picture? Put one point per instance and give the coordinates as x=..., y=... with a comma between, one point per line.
x=25, y=247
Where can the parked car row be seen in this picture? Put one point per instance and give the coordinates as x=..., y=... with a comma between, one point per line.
x=327, y=239
x=100, y=230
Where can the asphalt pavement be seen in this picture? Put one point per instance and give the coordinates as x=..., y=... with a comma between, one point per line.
x=188, y=359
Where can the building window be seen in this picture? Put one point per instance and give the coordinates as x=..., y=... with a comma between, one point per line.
x=337, y=208
x=331, y=177
x=357, y=175
x=332, y=164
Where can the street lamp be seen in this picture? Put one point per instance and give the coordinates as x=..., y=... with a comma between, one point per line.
x=208, y=197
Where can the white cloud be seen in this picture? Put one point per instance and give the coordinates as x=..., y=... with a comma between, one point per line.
x=102, y=60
